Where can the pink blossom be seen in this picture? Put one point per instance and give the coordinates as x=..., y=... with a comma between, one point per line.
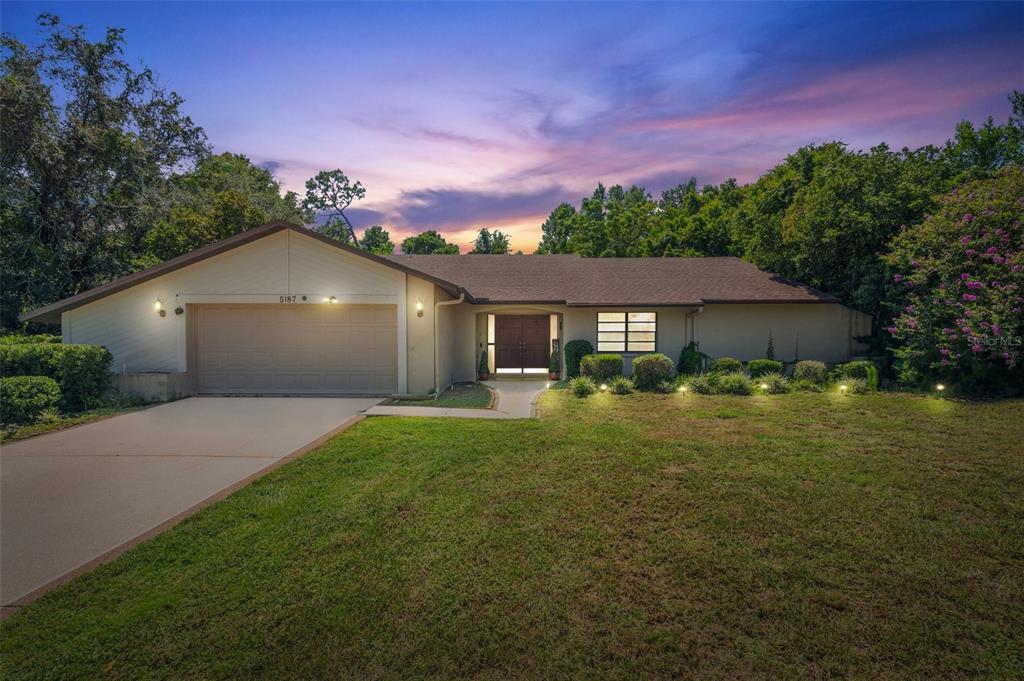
x=967, y=218
x=976, y=347
x=970, y=251
x=975, y=285
x=965, y=240
x=897, y=278
x=943, y=351
x=991, y=249
x=965, y=276
x=970, y=297
x=998, y=259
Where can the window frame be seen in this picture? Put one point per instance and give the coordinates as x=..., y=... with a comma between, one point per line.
x=625, y=340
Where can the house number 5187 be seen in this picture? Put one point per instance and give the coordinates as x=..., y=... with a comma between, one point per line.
x=288, y=299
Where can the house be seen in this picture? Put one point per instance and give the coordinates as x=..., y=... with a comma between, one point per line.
x=280, y=309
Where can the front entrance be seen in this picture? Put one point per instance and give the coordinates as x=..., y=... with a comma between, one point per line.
x=522, y=343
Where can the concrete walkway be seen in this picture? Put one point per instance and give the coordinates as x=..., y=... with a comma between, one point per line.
x=78, y=497
x=516, y=400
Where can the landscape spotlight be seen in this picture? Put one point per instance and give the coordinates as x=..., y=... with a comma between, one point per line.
x=842, y=388
x=604, y=387
x=682, y=388
x=940, y=387
x=764, y=386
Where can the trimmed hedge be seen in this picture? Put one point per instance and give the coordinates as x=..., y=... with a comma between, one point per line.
x=24, y=398
x=575, y=350
x=22, y=339
x=811, y=371
x=760, y=367
x=81, y=371
x=727, y=365
x=649, y=371
x=601, y=368
x=862, y=369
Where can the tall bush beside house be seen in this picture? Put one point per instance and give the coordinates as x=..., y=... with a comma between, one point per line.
x=692, y=361
x=554, y=366
x=650, y=371
x=960, y=274
x=602, y=367
x=575, y=350
x=483, y=372
x=760, y=367
x=24, y=398
x=81, y=371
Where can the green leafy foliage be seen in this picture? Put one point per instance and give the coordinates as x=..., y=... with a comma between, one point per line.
x=330, y=193
x=702, y=384
x=692, y=360
x=429, y=242
x=575, y=350
x=621, y=385
x=810, y=370
x=23, y=339
x=81, y=371
x=376, y=240
x=760, y=367
x=773, y=384
x=554, y=365
x=601, y=367
x=853, y=386
x=582, y=386
x=862, y=369
x=961, y=276
x=649, y=371
x=735, y=383
x=488, y=242
x=727, y=365
x=23, y=399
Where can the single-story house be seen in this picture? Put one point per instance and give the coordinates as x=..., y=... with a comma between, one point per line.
x=281, y=309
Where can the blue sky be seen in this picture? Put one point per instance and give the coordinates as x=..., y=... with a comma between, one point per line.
x=457, y=116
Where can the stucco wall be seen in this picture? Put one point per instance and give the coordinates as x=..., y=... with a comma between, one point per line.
x=281, y=264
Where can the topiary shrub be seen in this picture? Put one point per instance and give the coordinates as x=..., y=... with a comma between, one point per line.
x=651, y=370
x=621, y=385
x=692, y=361
x=773, y=384
x=576, y=350
x=727, y=365
x=810, y=370
x=24, y=398
x=601, y=368
x=81, y=371
x=702, y=384
x=22, y=339
x=863, y=369
x=760, y=367
x=581, y=386
x=735, y=383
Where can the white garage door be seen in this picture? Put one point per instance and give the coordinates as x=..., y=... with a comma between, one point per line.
x=296, y=349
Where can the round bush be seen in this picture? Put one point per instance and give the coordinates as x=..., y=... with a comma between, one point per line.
x=810, y=370
x=735, y=384
x=621, y=385
x=582, y=386
x=81, y=371
x=651, y=370
x=727, y=365
x=24, y=398
x=702, y=384
x=760, y=367
x=862, y=369
x=575, y=350
x=601, y=368
x=773, y=384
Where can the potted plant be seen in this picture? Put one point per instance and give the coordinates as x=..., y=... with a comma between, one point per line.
x=555, y=367
x=483, y=373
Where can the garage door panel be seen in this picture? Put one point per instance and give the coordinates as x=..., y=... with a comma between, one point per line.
x=279, y=349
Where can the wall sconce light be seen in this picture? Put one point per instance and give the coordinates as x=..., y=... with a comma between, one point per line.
x=158, y=307
x=179, y=310
x=419, y=307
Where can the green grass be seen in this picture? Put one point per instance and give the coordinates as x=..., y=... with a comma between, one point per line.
x=20, y=432
x=460, y=395
x=645, y=536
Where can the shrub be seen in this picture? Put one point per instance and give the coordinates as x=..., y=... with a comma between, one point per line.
x=692, y=361
x=602, y=367
x=81, y=371
x=703, y=384
x=621, y=385
x=774, y=383
x=727, y=365
x=554, y=366
x=807, y=386
x=650, y=370
x=22, y=339
x=664, y=387
x=811, y=371
x=576, y=350
x=482, y=367
x=24, y=398
x=582, y=386
x=862, y=369
x=735, y=383
x=760, y=367
x=853, y=386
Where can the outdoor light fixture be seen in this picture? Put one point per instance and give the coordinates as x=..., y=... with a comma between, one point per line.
x=158, y=307
x=604, y=387
x=332, y=300
x=682, y=388
x=842, y=388
x=419, y=307
x=940, y=387
x=764, y=386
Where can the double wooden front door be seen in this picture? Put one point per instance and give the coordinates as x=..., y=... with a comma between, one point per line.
x=522, y=341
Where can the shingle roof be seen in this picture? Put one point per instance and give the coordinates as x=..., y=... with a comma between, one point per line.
x=574, y=280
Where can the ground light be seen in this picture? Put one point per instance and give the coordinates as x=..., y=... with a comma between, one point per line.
x=603, y=386
x=682, y=388
x=763, y=386
x=939, y=388
x=842, y=388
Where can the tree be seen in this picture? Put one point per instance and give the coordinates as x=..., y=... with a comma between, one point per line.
x=486, y=241
x=331, y=192
x=377, y=241
x=558, y=230
x=961, y=272
x=85, y=146
x=427, y=243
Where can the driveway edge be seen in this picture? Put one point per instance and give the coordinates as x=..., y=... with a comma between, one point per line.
x=8, y=610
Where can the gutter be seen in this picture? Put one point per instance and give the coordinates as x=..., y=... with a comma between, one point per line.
x=437, y=353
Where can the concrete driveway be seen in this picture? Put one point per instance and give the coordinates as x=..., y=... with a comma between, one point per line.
x=72, y=499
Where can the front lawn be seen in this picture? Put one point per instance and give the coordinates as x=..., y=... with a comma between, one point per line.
x=667, y=536
x=460, y=396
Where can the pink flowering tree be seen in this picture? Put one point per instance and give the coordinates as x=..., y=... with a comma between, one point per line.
x=960, y=272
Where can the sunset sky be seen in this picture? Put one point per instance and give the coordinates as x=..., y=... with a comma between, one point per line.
x=457, y=116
